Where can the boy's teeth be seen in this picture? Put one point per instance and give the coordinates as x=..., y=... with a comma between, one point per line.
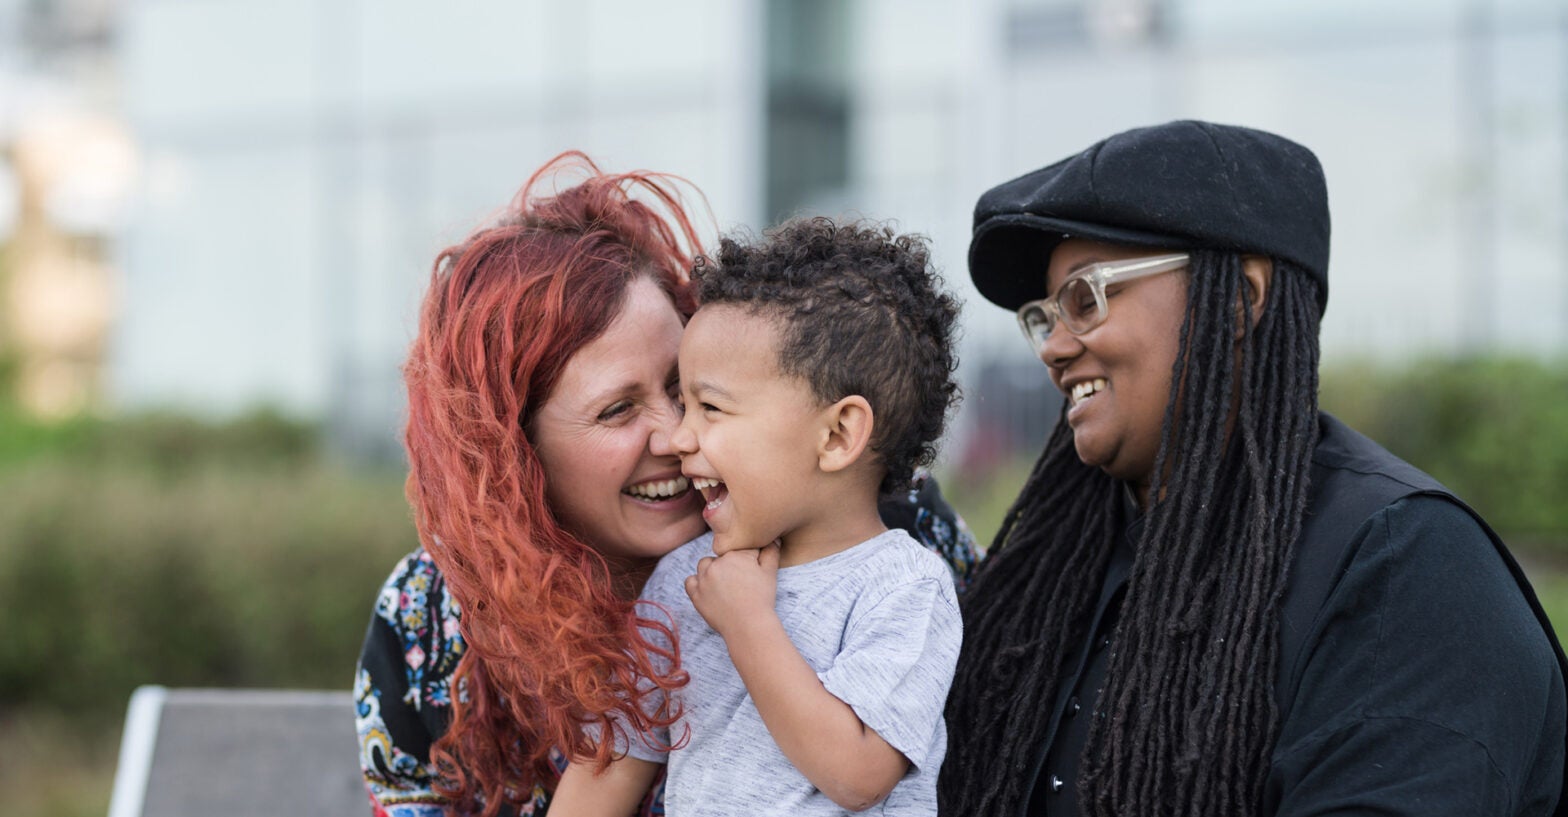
x=660, y=489
x=1087, y=388
x=708, y=486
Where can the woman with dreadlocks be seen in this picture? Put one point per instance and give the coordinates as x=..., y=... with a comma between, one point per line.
x=1210, y=598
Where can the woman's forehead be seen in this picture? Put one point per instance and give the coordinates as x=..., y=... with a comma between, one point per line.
x=636, y=349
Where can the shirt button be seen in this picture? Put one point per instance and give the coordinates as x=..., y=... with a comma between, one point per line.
x=1073, y=706
x=1056, y=784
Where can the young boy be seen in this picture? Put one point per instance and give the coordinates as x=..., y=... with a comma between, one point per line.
x=817, y=375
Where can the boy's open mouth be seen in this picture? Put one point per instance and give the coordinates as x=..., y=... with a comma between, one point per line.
x=713, y=491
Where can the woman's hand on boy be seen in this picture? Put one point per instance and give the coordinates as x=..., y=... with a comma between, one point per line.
x=736, y=588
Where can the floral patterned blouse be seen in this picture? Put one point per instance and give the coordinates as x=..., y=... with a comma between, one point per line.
x=403, y=684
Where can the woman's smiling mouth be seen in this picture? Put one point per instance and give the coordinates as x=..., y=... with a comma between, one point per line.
x=658, y=490
x=1087, y=389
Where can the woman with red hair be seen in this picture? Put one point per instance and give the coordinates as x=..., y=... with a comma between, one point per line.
x=541, y=398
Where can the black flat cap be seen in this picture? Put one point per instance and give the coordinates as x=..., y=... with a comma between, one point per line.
x=1180, y=186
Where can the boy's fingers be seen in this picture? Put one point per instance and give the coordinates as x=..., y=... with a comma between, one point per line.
x=691, y=587
x=768, y=557
x=703, y=563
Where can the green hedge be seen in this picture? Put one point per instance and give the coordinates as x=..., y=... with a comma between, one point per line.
x=1494, y=430
x=164, y=443
x=161, y=550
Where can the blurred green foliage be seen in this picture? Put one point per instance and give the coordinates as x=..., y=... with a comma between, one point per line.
x=984, y=499
x=161, y=549
x=1493, y=429
x=162, y=443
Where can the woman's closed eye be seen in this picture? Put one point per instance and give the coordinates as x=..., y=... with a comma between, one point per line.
x=616, y=410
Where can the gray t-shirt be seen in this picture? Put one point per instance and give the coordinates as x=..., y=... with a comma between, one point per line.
x=878, y=622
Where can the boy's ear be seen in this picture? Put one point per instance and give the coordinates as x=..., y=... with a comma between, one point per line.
x=846, y=433
x=1258, y=271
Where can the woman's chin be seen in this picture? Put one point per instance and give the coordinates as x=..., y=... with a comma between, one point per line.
x=1107, y=463
x=665, y=524
x=1090, y=452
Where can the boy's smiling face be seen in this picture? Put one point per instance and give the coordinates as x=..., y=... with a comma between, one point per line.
x=750, y=435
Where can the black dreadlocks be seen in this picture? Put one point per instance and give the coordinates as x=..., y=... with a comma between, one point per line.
x=1186, y=720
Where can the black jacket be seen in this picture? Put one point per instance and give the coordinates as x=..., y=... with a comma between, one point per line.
x=1418, y=674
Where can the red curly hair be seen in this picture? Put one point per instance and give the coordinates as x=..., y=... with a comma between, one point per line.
x=551, y=645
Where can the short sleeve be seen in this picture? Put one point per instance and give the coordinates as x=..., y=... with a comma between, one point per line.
x=897, y=662
x=1430, y=688
x=652, y=746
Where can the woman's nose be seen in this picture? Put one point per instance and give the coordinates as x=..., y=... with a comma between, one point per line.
x=1060, y=347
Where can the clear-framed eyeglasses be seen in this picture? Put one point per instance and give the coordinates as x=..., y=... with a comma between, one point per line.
x=1079, y=304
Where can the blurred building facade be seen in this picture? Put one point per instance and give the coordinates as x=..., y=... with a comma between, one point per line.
x=307, y=159
x=302, y=161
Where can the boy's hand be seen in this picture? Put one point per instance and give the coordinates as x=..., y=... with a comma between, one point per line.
x=737, y=587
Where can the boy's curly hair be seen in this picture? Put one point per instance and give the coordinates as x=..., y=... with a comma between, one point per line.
x=861, y=312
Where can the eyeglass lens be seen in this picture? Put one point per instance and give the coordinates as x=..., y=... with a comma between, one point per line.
x=1038, y=323
x=1076, y=305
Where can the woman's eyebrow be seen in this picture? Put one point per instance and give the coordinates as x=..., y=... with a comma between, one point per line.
x=1087, y=262
x=613, y=392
